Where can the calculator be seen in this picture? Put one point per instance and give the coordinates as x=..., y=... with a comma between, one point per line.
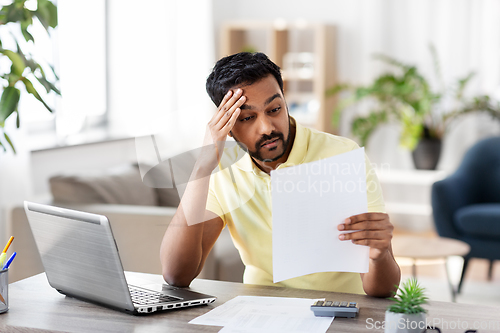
x=335, y=309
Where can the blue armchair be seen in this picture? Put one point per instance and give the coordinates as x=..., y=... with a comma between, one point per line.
x=466, y=205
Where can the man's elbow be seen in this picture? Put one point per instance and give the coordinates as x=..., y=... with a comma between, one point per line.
x=379, y=294
x=382, y=291
x=176, y=279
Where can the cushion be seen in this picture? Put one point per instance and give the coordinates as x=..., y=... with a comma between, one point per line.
x=119, y=185
x=481, y=220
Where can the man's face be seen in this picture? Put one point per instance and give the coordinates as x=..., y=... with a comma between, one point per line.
x=263, y=125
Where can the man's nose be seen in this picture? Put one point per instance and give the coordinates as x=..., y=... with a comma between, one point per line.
x=266, y=126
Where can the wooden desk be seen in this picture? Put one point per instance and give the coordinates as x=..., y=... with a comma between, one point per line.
x=36, y=307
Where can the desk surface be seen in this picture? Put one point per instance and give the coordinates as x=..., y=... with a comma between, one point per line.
x=36, y=307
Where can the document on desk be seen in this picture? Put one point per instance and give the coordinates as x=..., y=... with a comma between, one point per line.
x=245, y=314
x=309, y=201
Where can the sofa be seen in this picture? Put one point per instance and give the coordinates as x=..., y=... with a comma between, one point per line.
x=139, y=216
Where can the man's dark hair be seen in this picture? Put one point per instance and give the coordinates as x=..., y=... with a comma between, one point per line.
x=240, y=69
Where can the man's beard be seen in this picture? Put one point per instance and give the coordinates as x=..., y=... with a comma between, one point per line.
x=257, y=153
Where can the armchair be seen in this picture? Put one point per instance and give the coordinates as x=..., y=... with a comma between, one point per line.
x=466, y=205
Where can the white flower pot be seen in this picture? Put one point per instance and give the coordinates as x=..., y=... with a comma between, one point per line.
x=404, y=323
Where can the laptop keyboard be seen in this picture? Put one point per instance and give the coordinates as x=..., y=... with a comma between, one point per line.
x=144, y=297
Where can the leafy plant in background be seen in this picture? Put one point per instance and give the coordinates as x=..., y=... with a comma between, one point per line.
x=24, y=69
x=409, y=298
x=407, y=98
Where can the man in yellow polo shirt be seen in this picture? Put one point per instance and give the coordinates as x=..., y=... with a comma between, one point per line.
x=248, y=90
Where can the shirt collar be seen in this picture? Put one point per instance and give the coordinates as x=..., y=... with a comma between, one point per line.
x=296, y=157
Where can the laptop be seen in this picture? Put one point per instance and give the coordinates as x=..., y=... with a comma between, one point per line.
x=81, y=260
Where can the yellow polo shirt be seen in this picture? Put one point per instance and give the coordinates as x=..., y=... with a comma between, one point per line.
x=241, y=195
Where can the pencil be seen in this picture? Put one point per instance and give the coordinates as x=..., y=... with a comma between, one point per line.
x=8, y=244
x=3, y=256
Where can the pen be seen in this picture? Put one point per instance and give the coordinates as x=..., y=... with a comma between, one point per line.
x=9, y=261
x=3, y=256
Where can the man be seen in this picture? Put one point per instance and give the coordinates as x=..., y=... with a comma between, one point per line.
x=248, y=90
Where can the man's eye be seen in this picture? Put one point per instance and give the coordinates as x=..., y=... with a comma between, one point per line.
x=275, y=110
x=246, y=118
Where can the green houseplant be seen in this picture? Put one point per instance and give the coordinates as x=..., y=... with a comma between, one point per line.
x=405, y=96
x=24, y=70
x=406, y=314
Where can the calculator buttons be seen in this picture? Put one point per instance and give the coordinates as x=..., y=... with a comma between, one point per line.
x=335, y=309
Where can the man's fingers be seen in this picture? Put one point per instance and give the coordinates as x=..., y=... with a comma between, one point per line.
x=364, y=225
x=365, y=234
x=229, y=101
x=367, y=217
x=227, y=115
x=225, y=99
x=229, y=125
x=372, y=243
x=219, y=114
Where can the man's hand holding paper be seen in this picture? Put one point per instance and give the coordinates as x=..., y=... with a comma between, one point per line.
x=370, y=229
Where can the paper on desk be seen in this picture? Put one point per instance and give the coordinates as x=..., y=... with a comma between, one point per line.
x=245, y=314
x=309, y=201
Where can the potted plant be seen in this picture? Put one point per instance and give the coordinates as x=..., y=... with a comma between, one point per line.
x=406, y=314
x=24, y=73
x=406, y=97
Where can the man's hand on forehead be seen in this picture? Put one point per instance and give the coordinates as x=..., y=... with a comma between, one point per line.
x=220, y=125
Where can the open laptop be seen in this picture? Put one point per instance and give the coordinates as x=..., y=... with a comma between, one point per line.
x=81, y=260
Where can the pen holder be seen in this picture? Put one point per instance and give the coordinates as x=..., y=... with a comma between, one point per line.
x=4, y=290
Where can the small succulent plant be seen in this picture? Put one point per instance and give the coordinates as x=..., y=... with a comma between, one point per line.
x=409, y=298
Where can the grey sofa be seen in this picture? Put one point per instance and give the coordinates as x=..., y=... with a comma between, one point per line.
x=139, y=216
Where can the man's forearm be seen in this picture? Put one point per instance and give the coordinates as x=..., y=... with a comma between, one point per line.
x=383, y=276
x=181, y=250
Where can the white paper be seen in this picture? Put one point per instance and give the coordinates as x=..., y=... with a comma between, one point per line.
x=309, y=201
x=245, y=314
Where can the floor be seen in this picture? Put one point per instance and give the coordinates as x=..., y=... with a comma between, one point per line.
x=476, y=289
